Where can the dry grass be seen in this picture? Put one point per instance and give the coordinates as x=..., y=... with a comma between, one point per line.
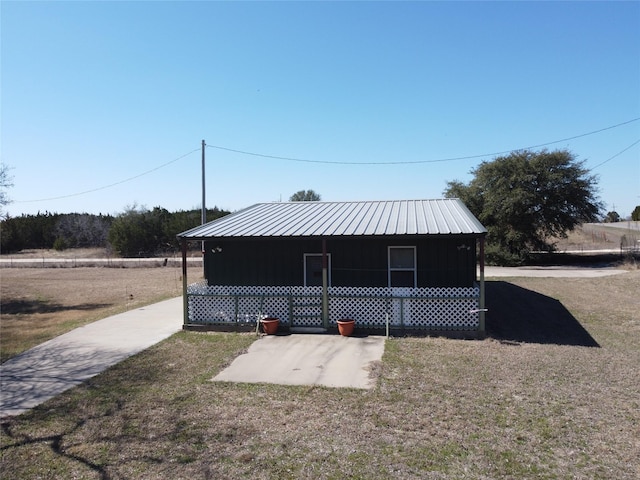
x=39, y=304
x=595, y=236
x=33, y=253
x=502, y=408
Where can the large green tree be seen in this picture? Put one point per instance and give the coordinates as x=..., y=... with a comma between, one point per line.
x=526, y=199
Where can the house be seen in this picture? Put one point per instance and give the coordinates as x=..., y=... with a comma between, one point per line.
x=398, y=265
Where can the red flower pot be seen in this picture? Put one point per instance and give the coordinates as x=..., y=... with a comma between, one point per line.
x=345, y=327
x=270, y=325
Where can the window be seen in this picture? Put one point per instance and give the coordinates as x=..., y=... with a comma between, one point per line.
x=313, y=269
x=402, y=266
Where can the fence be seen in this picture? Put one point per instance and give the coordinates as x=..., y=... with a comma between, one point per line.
x=441, y=308
x=629, y=244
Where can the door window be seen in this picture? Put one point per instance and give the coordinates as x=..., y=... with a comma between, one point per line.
x=313, y=269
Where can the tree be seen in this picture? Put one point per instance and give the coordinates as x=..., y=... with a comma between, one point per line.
x=611, y=217
x=28, y=231
x=139, y=231
x=526, y=198
x=635, y=215
x=75, y=230
x=305, y=196
x=184, y=220
x=5, y=182
x=132, y=234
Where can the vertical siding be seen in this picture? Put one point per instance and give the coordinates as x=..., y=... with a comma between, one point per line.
x=356, y=262
x=259, y=262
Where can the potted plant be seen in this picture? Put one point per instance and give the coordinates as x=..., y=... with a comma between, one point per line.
x=270, y=325
x=345, y=326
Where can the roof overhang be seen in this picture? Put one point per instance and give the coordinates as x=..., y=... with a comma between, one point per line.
x=343, y=219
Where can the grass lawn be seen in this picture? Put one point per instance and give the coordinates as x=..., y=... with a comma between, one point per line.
x=41, y=303
x=520, y=404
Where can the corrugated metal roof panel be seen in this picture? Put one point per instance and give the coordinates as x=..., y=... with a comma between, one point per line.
x=316, y=219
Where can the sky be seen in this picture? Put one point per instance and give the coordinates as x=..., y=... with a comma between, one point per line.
x=104, y=105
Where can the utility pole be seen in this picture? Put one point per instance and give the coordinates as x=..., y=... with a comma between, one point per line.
x=203, y=217
x=204, y=208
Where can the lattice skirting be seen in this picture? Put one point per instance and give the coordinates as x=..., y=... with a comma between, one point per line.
x=440, y=308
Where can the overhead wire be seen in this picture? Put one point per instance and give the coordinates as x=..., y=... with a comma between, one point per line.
x=111, y=184
x=616, y=155
x=412, y=162
x=276, y=157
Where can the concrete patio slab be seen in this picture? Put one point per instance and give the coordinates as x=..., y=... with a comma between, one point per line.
x=301, y=359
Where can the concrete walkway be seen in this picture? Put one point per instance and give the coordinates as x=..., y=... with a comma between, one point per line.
x=49, y=369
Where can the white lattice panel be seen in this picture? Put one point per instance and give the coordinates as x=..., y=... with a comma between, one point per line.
x=367, y=312
x=205, y=310
x=221, y=304
x=306, y=290
x=277, y=307
x=417, y=308
x=450, y=314
x=349, y=302
x=248, y=308
x=199, y=288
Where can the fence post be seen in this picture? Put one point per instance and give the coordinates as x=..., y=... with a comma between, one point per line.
x=325, y=286
x=185, y=300
x=481, y=319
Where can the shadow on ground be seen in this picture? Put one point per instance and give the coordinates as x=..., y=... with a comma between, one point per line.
x=15, y=307
x=520, y=315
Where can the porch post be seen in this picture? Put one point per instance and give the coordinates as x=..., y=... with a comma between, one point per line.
x=325, y=285
x=185, y=300
x=482, y=304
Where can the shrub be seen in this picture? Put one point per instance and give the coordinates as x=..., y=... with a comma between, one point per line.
x=60, y=244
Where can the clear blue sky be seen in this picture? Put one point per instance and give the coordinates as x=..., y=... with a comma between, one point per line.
x=114, y=94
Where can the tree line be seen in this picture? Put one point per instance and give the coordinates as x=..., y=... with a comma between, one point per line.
x=526, y=200
x=136, y=232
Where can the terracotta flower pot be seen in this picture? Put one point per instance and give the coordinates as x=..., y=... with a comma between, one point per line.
x=345, y=327
x=270, y=325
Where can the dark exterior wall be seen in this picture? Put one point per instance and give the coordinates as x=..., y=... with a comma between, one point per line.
x=442, y=261
x=258, y=262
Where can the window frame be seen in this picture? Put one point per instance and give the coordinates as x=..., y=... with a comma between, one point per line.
x=391, y=269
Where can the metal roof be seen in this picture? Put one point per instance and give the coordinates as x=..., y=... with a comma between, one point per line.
x=321, y=219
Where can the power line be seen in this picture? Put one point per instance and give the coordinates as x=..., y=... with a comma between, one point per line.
x=616, y=155
x=402, y=162
x=341, y=163
x=111, y=184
